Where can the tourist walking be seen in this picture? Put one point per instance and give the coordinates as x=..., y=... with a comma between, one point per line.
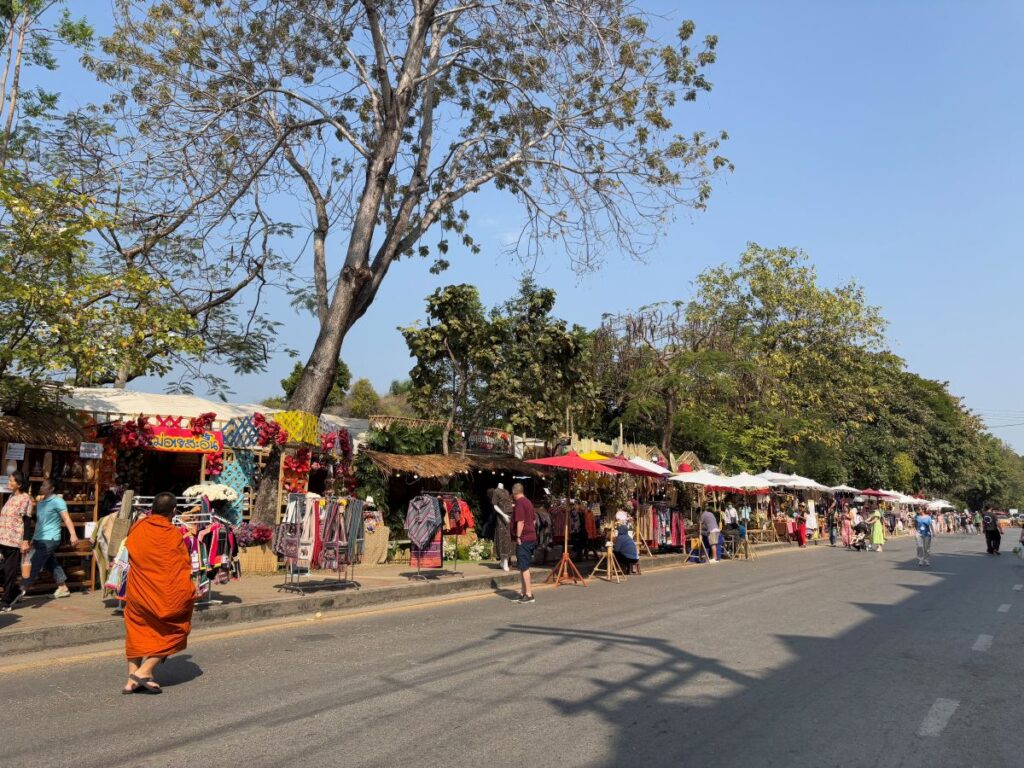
x=877, y=529
x=14, y=516
x=923, y=523
x=812, y=521
x=159, y=596
x=524, y=532
x=51, y=512
x=801, y=526
x=832, y=523
x=846, y=521
x=977, y=523
x=990, y=525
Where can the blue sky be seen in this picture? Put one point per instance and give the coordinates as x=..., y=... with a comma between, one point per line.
x=881, y=136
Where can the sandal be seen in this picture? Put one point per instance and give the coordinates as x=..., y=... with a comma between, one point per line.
x=133, y=689
x=146, y=684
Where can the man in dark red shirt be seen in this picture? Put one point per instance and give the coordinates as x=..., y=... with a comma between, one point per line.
x=524, y=534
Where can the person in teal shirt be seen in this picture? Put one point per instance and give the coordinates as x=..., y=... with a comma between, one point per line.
x=51, y=513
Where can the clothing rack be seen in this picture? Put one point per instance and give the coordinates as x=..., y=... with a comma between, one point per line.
x=419, y=575
x=294, y=573
x=201, y=519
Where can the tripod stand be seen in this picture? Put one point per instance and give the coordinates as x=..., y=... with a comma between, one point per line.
x=566, y=570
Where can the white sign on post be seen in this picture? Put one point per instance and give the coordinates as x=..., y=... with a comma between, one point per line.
x=91, y=450
x=15, y=451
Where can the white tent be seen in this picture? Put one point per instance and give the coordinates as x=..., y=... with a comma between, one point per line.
x=939, y=504
x=650, y=466
x=749, y=482
x=844, y=489
x=701, y=477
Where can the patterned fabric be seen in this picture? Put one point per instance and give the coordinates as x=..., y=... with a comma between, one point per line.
x=422, y=520
x=12, y=526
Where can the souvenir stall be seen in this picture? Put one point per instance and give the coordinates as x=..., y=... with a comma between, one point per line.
x=45, y=446
x=460, y=484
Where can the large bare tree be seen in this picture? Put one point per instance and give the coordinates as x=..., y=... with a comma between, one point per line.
x=384, y=116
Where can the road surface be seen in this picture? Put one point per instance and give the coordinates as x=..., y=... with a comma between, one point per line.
x=814, y=658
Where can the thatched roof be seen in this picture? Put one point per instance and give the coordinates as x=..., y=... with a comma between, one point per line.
x=44, y=430
x=433, y=465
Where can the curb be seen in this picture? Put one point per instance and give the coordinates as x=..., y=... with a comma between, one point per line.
x=65, y=636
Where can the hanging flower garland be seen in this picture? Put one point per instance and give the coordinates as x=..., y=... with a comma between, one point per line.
x=215, y=464
x=201, y=424
x=132, y=434
x=299, y=463
x=268, y=432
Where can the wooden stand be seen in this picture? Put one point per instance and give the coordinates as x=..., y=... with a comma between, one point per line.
x=566, y=570
x=611, y=565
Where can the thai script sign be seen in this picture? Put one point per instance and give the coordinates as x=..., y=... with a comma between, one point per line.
x=181, y=440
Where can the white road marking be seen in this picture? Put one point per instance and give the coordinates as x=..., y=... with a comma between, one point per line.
x=983, y=643
x=938, y=716
x=1004, y=608
x=1018, y=587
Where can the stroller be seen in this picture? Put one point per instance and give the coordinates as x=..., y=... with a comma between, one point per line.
x=860, y=536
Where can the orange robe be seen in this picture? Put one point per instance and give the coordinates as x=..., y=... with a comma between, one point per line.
x=159, y=596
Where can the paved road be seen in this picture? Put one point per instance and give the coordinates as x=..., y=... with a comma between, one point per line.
x=813, y=658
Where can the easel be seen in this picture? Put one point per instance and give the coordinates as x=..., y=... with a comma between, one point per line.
x=419, y=575
x=566, y=570
x=293, y=574
x=611, y=564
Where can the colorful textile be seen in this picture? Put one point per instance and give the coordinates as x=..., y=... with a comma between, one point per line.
x=422, y=520
x=429, y=556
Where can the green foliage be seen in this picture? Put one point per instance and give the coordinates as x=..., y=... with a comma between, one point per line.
x=342, y=378
x=363, y=401
x=405, y=439
x=64, y=313
x=515, y=366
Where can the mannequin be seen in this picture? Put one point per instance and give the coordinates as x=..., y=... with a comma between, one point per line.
x=501, y=501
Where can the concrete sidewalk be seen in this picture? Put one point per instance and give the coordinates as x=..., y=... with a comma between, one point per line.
x=43, y=623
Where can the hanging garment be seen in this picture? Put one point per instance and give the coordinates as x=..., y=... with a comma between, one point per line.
x=285, y=541
x=422, y=520
x=499, y=497
x=334, y=541
x=429, y=556
x=309, y=534
x=355, y=530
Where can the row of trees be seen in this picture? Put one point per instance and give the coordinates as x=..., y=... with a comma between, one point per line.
x=761, y=367
x=251, y=146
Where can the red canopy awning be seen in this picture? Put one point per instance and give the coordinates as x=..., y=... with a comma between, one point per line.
x=622, y=464
x=573, y=461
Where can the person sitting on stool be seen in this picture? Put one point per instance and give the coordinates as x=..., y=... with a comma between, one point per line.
x=625, y=549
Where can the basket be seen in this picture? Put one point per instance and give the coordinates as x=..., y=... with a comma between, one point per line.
x=257, y=560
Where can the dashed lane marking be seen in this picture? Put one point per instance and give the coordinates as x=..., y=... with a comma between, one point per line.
x=938, y=717
x=1018, y=587
x=983, y=643
x=1004, y=608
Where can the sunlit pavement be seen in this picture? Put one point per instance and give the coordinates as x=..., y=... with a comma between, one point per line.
x=814, y=658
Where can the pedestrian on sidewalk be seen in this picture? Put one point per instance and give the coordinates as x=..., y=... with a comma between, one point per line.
x=832, y=523
x=923, y=523
x=51, y=511
x=524, y=530
x=14, y=516
x=711, y=531
x=977, y=523
x=993, y=537
x=159, y=597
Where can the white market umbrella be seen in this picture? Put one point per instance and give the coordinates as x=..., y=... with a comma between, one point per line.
x=749, y=482
x=699, y=477
x=844, y=489
x=650, y=466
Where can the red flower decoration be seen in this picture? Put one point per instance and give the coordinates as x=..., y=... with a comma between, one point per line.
x=201, y=424
x=214, y=464
x=132, y=435
x=268, y=432
x=299, y=463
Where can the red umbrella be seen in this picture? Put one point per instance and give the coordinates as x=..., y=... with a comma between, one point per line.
x=622, y=464
x=573, y=461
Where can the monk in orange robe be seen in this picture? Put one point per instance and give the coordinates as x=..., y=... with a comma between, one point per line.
x=159, y=596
